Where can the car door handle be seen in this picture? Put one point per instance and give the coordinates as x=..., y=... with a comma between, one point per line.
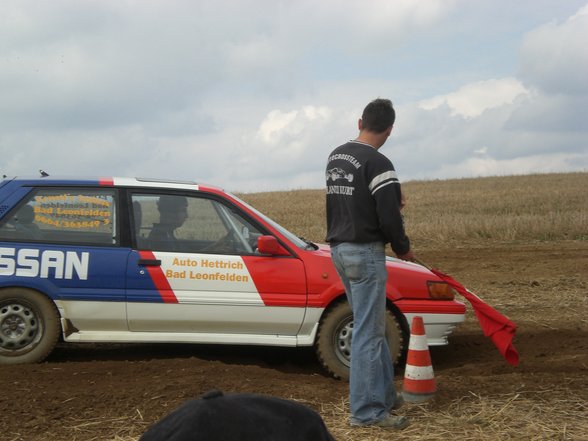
x=150, y=262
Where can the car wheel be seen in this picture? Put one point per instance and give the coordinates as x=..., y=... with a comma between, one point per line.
x=333, y=344
x=29, y=326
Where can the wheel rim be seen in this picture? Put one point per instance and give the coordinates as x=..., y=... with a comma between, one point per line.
x=343, y=342
x=20, y=328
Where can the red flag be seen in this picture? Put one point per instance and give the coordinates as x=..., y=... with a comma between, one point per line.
x=495, y=325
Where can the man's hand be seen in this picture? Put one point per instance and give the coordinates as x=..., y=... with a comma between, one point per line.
x=408, y=256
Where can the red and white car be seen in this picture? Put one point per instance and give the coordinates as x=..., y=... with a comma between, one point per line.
x=132, y=260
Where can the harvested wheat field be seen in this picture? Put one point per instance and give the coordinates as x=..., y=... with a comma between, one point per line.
x=520, y=243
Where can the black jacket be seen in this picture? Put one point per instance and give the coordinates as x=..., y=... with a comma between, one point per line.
x=363, y=198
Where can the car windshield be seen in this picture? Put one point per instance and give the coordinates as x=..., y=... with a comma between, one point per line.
x=299, y=242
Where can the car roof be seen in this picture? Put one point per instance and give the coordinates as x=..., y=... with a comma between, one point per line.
x=107, y=182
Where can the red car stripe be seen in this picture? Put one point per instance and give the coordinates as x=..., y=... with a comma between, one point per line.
x=106, y=181
x=159, y=279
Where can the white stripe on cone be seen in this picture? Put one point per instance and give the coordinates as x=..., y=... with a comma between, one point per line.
x=419, y=372
x=418, y=343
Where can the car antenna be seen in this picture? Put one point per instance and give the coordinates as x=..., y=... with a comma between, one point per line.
x=44, y=174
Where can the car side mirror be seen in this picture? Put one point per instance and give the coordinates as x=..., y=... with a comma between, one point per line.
x=270, y=245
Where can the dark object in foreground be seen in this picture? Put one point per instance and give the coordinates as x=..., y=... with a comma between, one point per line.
x=239, y=417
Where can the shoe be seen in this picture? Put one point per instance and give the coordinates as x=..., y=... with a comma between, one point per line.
x=388, y=422
x=399, y=402
x=393, y=422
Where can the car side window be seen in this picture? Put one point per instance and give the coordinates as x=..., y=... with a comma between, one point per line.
x=167, y=222
x=66, y=215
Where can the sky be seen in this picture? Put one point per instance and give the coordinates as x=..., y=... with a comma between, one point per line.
x=253, y=95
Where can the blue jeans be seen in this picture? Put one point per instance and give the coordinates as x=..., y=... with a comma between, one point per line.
x=362, y=268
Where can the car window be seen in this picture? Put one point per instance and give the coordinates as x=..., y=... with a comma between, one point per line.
x=298, y=241
x=166, y=222
x=78, y=216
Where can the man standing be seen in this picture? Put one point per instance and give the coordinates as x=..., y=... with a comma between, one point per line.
x=363, y=215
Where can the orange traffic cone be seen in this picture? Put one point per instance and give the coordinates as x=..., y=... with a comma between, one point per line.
x=419, y=380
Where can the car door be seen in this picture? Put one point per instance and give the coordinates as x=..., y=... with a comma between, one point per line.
x=196, y=270
x=64, y=241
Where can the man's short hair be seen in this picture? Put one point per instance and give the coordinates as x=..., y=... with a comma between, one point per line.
x=378, y=116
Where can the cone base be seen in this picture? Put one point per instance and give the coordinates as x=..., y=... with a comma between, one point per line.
x=417, y=398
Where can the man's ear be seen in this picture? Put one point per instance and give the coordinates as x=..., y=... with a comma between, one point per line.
x=360, y=124
x=389, y=131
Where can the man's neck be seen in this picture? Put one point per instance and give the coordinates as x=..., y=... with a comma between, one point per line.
x=375, y=140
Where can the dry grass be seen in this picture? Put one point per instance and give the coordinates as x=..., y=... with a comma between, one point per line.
x=470, y=418
x=513, y=208
x=475, y=417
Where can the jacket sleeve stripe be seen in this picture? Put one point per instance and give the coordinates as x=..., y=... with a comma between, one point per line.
x=382, y=180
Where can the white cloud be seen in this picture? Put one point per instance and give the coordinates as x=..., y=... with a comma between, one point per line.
x=473, y=99
x=554, y=58
x=283, y=149
x=278, y=125
x=535, y=126
x=554, y=64
x=274, y=123
x=254, y=95
x=251, y=56
x=478, y=167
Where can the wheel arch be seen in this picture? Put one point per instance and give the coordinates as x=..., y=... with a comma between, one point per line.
x=341, y=297
x=35, y=290
x=321, y=346
x=405, y=328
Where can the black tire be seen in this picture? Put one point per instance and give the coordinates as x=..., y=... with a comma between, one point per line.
x=333, y=344
x=29, y=326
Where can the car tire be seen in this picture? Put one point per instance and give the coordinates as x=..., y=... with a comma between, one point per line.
x=29, y=326
x=333, y=344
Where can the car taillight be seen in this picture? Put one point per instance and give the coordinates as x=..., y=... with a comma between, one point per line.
x=441, y=291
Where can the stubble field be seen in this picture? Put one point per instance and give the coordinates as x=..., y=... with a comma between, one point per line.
x=520, y=243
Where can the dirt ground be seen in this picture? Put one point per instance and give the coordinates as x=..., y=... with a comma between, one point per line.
x=114, y=392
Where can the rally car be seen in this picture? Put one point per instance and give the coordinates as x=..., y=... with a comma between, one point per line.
x=134, y=260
